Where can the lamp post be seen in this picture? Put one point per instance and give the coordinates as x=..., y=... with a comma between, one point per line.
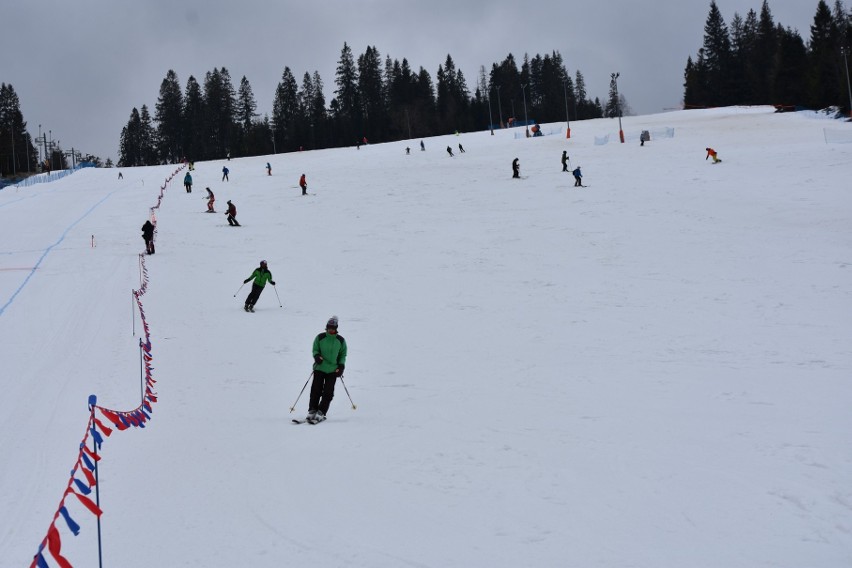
x=845, y=51
x=490, y=118
x=526, y=121
x=567, y=122
x=618, y=106
x=499, y=106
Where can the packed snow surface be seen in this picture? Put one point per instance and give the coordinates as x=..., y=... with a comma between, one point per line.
x=654, y=370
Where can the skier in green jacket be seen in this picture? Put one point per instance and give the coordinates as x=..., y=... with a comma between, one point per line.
x=329, y=351
x=261, y=276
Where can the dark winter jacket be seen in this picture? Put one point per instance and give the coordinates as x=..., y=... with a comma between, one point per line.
x=332, y=349
x=148, y=231
x=232, y=210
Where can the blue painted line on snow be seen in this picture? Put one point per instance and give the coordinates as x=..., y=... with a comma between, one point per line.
x=50, y=248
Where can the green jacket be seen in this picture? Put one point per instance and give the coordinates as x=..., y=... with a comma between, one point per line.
x=332, y=349
x=261, y=276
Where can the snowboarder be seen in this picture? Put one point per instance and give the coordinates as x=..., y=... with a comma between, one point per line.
x=578, y=177
x=303, y=184
x=268, y=169
x=450, y=151
x=329, y=351
x=210, y=200
x=232, y=214
x=261, y=276
x=148, y=236
x=187, y=182
x=565, y=160
x=711, y=153
x=225, y=171
x=516, y=168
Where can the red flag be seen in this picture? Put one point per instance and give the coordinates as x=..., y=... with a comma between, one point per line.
x=88, y=503
x=54, y=545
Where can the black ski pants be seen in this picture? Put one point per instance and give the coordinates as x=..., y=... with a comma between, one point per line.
x=322, y=391
x=251, y=299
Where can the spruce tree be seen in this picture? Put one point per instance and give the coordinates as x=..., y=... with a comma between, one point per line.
x=168, y=114
x=285, y=109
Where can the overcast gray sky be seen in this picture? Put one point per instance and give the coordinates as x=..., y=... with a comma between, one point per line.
x=80, y=67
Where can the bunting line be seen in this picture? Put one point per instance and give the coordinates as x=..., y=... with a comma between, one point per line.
x=82, y=479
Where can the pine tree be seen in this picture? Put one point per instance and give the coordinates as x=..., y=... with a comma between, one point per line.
x=372, y=94
x=348, y=102
x=147, y=138
x=717, y=57
x=245, y=111
x=285, y=109
x=130, y=146
x=17, y=153
x=168, y=113
x=824, y=78
x=194, y=123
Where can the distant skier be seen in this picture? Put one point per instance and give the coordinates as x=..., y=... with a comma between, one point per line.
x=148, y=236
x=329, y=351
x=210, y=200
x=711, y=153
x=303, y=184
x=565, y=160
x=268, y=169
x=225, y=171
x=578, y=177
x=450, y=151
x=232, y=214
x=187, y=182
x=644, y=137
x=516, y=168
x=120, y=176
x=422, y=146
x=461, y=148
x=261, y=276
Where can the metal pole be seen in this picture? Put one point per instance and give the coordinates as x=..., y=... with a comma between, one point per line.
x=490, y=118
x=567, y=121
x=499, y=106
x=93, y=400
x=347, y=392
x=526, y=120
x=615, y=77
x=141, y=372
x=845, y=51
x=292, y=408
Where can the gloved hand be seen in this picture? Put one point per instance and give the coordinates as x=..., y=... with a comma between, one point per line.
x=339, y=371
x=246, y=280
x=317, y=359
x=272, y=282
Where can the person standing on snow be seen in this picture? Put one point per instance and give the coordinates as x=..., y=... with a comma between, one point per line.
x=564, y=160
x=329, y=351
x=516, y=168
x=148, y=236
x=268, y=169
x=422, y=146
x=578, y=177
x=210, y=200
x=303, y=184
x=450, y=151
x=711, y=153
x=261, y=276
x=232, y=214
x=187, y=182
x=225, y=171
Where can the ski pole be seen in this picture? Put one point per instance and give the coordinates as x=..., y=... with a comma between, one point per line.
x=292, y=408
x=347, y=392
x=280, y=305
x=238, y=290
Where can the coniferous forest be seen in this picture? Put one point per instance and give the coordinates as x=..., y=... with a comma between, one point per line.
x=756, y=61
x=753, y=60
x=378, y=100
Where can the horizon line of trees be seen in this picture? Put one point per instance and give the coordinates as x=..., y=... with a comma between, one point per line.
x=379, y=101
x=756, y=61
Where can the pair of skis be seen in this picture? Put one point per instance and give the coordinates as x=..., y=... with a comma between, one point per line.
x=306, y=421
